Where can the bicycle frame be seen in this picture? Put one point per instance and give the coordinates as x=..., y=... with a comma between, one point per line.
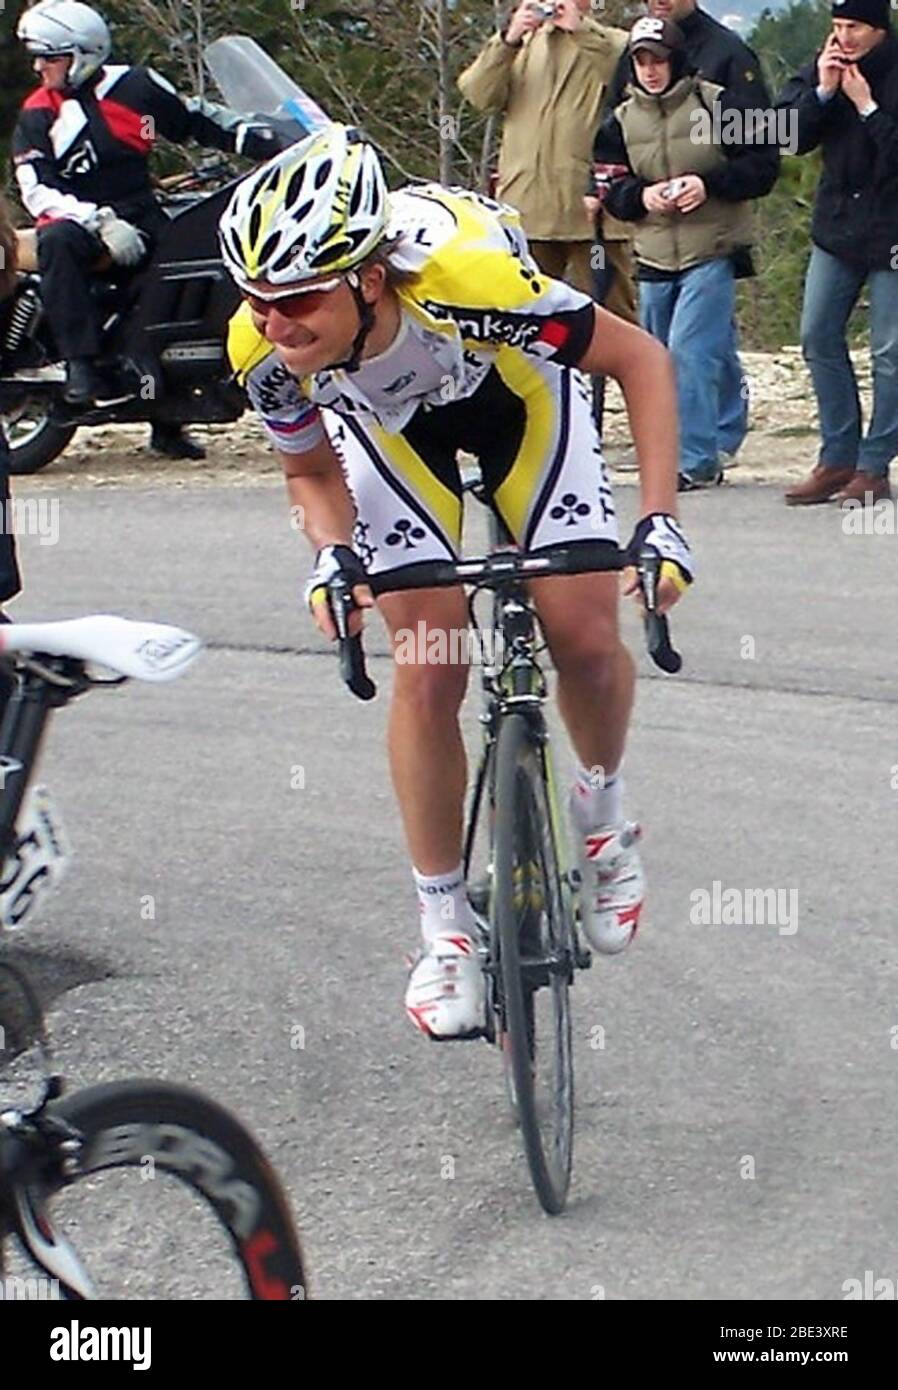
x=520, y=686
x=42, y=688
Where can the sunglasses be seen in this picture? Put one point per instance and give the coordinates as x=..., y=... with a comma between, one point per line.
x=291, y=303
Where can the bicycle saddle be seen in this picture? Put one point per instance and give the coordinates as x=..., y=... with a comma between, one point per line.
x=144, y=651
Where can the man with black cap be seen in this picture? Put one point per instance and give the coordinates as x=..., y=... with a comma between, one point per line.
x=846, y=102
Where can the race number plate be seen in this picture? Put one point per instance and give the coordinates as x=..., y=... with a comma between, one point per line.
x=41, y=857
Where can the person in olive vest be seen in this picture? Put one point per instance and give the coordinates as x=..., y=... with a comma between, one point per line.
x=694, y=161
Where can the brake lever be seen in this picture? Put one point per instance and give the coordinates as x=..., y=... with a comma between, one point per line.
x=352, y=653
x=657, y=628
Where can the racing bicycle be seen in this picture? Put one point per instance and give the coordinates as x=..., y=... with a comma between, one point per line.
x=165, y=1193
x=527, y=901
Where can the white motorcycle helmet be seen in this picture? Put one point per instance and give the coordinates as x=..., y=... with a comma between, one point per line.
x=56, y=27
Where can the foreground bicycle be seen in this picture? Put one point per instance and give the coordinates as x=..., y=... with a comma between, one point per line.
x=527, y=901
x=153, y=1179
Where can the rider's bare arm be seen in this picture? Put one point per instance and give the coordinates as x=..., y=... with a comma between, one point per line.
x=318, y=492
x=645, y=371
x=323, y=508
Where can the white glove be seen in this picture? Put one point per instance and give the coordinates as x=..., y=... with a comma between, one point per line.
x=123, y=241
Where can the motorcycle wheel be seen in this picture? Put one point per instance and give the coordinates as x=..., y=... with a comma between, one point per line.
x=34, y=437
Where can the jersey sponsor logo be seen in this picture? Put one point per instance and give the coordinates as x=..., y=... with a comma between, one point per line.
x=489, y=325
x=400, y=383
x=82, y=161
x=268, y=389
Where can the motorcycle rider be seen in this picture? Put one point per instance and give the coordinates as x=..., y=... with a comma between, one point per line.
x=81, y=151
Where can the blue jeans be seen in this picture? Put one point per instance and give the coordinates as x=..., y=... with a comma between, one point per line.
x=732, y=422
x=831, y=290
x=693, y=316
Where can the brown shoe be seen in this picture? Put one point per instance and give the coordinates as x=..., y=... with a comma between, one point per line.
x=822, y=484
x=865, y=488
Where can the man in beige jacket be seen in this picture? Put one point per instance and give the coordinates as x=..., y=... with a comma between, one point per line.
x=548, y=72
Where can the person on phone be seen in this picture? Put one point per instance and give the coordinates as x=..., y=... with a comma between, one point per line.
x=845, y=102
x=547, y=72
x=689, y=199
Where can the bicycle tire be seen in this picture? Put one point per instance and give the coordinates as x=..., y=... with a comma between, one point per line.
x=522, y=799
x=123, y=1123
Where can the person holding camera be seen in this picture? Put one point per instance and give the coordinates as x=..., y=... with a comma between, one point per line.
x=846, y=103
x=548, y=71
x=688, y=192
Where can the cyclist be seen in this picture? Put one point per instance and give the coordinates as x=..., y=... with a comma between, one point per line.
x=420, y=323
x=81, y=150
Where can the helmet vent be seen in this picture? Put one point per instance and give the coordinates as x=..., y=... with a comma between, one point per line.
x=255, y=225
x=294, y=187
x=323, y=173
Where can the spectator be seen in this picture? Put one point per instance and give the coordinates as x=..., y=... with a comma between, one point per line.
x=846, y=101
x=718, y=55
x=9, y=570
x=689, y=198
x=549, y=75
x=714, y=51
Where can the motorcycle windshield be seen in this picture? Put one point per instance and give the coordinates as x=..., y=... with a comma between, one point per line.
x=252, y=83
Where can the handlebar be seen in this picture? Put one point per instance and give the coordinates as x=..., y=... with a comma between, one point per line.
x=495, y=571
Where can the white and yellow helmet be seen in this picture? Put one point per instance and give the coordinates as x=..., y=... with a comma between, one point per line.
x=318, y=208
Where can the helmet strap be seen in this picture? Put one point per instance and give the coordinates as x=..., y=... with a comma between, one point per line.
x=367, y=318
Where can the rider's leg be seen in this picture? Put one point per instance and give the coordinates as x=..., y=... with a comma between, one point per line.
x=595, y=694
x=596, y=675
x=427, y=755
x=66, y=256
x=445, y=994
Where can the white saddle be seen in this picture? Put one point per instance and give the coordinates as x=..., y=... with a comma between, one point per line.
x=144, y=651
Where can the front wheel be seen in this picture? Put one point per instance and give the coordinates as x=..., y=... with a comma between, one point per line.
x=35, y=438
x=167, y=1196
x=533, y=941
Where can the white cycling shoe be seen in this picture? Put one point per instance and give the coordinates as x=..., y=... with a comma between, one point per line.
x=612, y=886
x=446, y=994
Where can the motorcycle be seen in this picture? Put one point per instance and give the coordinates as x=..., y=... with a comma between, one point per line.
x=165, y=327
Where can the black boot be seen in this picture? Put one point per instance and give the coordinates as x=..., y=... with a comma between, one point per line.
x=174, y=443
x=82, y=382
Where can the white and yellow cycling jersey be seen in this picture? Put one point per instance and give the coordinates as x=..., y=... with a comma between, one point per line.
x=484, y=360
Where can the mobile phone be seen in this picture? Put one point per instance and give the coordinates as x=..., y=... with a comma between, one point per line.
x=673, y=189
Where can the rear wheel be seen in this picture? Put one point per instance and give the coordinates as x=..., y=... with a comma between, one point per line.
x=534, y=946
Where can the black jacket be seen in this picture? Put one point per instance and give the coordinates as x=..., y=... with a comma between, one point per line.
x=856, y=204
x=92, y=146
x=717, y=54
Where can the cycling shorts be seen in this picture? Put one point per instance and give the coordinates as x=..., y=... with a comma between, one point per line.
x=531, y=426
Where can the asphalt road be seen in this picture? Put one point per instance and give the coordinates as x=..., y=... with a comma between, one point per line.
x=737, y=1132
